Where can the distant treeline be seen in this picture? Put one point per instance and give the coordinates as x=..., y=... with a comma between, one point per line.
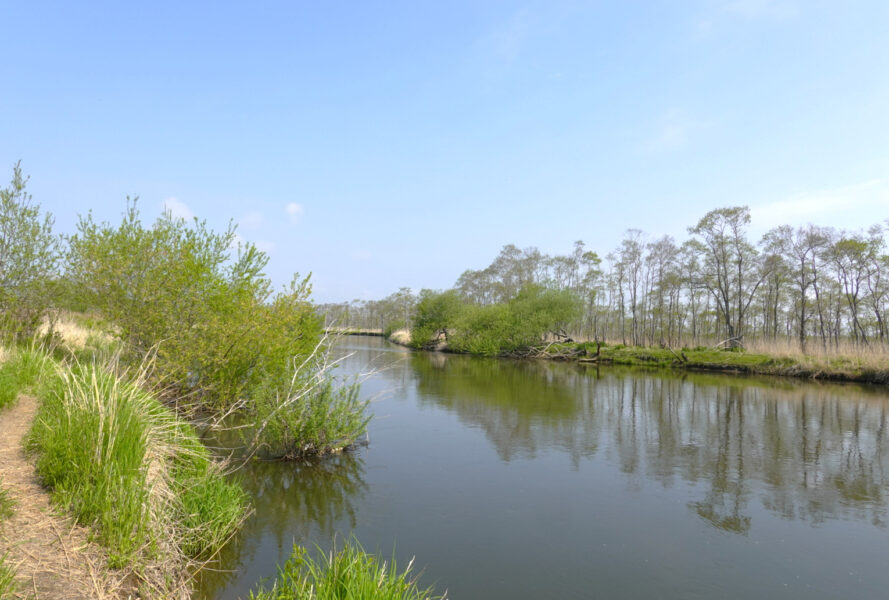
x=809, y=284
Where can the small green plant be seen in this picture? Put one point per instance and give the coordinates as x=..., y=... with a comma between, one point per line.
x=7, y=577
x=349, y=573
x=6, y=503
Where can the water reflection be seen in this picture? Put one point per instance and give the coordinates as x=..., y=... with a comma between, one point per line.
x=804, y=451
x=577, y=474
x=306, y=500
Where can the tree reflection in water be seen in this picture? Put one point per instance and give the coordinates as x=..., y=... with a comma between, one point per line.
x=804, y=451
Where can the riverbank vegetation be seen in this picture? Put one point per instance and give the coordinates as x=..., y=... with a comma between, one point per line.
x=124, y=332
x=813, y=294
x=145, y=483
x=347, y=573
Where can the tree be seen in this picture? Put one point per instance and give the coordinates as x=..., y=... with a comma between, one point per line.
x=29, y=258
x=731, y=271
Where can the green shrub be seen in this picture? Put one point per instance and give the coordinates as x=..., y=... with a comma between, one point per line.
x=348, y=574
x=29, y=256
x=176, y=290
x=317, y=415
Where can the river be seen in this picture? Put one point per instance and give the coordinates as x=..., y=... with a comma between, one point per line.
x=529, y=480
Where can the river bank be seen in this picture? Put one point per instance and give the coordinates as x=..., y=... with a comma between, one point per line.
x=839, y=367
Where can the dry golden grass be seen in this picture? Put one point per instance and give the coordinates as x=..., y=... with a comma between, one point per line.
x=846, y=355
x=74, y=335
x=401, y=336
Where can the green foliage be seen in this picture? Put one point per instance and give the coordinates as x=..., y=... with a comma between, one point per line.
x=119, y=460
x=483, y=330
x=317, y=415
x=8, y=584
x=29, y=255
x=518, y=324
x=348, y=574
x=6, y=503
x=174, y=287
x=435, y=313
x=20, y=371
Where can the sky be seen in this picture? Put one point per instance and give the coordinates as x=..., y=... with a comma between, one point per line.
x=387, y=144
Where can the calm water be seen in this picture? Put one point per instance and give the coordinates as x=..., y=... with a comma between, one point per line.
x=541, y=480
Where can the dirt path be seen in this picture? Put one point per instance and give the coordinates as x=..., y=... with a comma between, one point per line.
x=52, y=555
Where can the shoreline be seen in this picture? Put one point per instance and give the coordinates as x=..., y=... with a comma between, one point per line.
x=706, y=360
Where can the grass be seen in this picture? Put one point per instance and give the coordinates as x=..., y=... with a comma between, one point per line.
x=6, y=503
x=7, y=571
x=21, y=369
x=846, y=363
x=124, y=464
x=350, y=574
x=8, y=584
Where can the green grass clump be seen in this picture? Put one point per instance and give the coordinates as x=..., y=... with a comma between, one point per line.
x=6, y=503
x=348, y=574
x=122, y=462
x=22, y=370
x=7, y=572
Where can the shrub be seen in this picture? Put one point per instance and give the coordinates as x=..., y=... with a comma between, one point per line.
x=174, y=288
x=29, y=256
x=316, y=414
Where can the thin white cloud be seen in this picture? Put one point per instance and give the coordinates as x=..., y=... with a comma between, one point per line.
x=252, y=220
x=854, y=206
x=237, y=241
x=507, y=41
x=673, y=132
x=177, y=208
x=265, y=246
x=294, y=212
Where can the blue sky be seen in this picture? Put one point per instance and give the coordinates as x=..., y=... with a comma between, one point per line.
x=392, y=144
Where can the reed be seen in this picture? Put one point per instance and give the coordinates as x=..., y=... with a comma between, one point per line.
x=350, y=573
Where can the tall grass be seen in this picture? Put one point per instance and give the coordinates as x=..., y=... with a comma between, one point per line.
x=348, y=574
x=21, y=369
x=842, y=356
x=7, y=571
x=123, y=463
x=8, y=584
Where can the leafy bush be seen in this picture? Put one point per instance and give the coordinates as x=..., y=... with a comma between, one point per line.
x=317, y=414
x=218, y=332
x=29, y=256
x=348, y=574
x=435, y=313
x=497, y=328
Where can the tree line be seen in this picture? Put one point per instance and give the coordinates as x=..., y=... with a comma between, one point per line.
x=812, y=285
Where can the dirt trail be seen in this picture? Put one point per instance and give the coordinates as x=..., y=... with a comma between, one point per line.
x=52, y=555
